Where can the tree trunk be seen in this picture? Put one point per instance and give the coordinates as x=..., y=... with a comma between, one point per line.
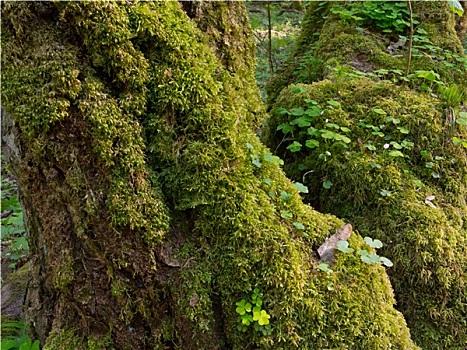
x=382, y=148
x=151, y=206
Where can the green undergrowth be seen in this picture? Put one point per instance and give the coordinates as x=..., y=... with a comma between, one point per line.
x=383, y=157
x=368, y=38
x=14, y=336
x=167, y=130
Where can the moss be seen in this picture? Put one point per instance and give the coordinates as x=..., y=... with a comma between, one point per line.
x=13, y=291
x=64, y=272
x=67, y=339
x=210, y=167
x=235, y=220
x=228, y=33
x=115, y=132
x=425, y=243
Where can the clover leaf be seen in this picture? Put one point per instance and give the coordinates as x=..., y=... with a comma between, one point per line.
x=343, y=246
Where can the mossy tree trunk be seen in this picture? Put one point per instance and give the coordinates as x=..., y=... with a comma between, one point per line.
x=151, y=206
x=386, y=151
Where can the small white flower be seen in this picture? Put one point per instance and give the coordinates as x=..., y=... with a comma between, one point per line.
x=428, y=200
x=386, y=146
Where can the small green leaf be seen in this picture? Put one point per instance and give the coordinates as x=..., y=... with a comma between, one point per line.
x=343, y=246
x=294, y=147
x=302, y=122
x=300, y=187
x=373, y=243
x=370, y=259
x=456, y=7
x=407, y=144
x=286, y=214
x=298, y=225
x=327, y=134
x=363, y=252
x=334, y=103
x=311, y=143
x=255, y=160
x=263, y=318
x=340, y=137
x=385, y=193
x=246, y=319
x=249, y=145
x=314, y=111
x=395, y=153
x=268, y=157
x=324, y=267
x=386, y=261
x=327, y=184
x=332, y=125
x=298, y=89
x=281, y=111
x=428, y=75
x=402, y=130
x=393, y=120
x=267, y=182
x=418, y=183
x=379, y=111
x=286, y=196
x=286, y=128
x=242, y=307
x=370, y=147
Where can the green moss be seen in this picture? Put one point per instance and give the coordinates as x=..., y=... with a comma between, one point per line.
x=226, y=30
x=424, y=242
x=243, y=243
x=113, y=126
x=199, y=146
x=68, y=340
x=14, y=288
x=63, y=274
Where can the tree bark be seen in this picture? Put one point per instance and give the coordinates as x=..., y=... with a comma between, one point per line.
x=151, y=206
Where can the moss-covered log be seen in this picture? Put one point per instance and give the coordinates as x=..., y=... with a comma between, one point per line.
x=152, y=207
x=379, y=150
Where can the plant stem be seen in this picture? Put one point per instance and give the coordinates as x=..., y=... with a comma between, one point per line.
x=409, y=59
x=271, y=67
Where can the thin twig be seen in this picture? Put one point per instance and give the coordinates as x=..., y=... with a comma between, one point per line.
x=409, y=59
x=271, y=67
